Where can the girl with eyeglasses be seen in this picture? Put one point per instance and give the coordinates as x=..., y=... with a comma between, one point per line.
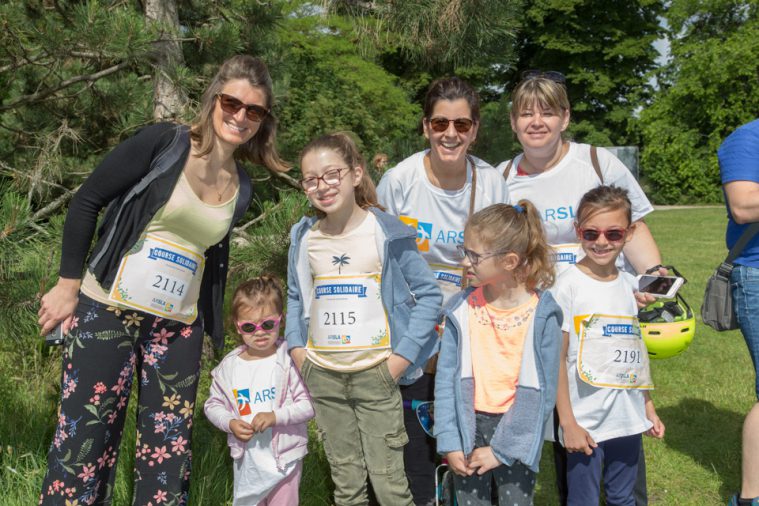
x=362, y=308
x=554, y=173
x=258, y=398
x=603, y=403
x=495, y=387
x=153, y=283
x=435, y=191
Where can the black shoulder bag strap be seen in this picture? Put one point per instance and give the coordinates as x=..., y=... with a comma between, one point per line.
x=745, y=237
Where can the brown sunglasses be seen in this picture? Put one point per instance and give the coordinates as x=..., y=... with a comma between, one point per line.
x=440, y=124
x=231, y=105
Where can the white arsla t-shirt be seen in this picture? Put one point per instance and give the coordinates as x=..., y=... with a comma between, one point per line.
x=439, y=215
x=606, y=413
x=255, y=473
x=557, y=192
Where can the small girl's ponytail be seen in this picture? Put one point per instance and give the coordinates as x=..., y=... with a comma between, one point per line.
x=518, y=229
x=538, y=255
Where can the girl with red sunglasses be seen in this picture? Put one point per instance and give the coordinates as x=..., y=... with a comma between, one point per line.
x=602, y=401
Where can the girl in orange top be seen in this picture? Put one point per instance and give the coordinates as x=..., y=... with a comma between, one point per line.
x=498, y=366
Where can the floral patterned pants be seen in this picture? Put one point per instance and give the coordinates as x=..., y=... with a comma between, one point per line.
x=101, y=354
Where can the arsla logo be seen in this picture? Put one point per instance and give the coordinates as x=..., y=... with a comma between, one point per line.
x=423, y=232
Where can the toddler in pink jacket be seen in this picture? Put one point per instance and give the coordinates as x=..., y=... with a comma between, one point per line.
x=258, y=397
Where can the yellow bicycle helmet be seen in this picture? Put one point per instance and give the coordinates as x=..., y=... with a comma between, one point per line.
x=667, y=325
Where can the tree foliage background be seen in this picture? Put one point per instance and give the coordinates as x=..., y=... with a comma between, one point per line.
x=709, y=88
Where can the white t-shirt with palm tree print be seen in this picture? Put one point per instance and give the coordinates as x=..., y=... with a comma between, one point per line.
x=352, y=253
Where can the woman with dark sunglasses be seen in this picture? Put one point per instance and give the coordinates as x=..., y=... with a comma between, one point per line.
x=435, y=191
x=153, y=283
x=554, y=173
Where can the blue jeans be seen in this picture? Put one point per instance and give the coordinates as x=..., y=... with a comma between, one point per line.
x=745, y=283
x=615, y=459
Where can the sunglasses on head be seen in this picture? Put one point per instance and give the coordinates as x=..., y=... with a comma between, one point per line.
x=231, y=105
x=551, y=75
x=249, y=327
x=440, y=124
x=611, y=234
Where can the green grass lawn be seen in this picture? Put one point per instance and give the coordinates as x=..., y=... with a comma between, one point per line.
x=702, y=397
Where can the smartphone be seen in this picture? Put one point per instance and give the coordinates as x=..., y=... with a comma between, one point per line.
x=660, y=286
x=55, y=337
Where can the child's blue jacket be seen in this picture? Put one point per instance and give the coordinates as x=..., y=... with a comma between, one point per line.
x=410, y=293
x=519, y=435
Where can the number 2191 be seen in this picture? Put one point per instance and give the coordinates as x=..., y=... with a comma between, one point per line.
x=627, y=356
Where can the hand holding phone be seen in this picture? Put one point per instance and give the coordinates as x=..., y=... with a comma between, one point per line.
x=659, y=286
x=55, y=337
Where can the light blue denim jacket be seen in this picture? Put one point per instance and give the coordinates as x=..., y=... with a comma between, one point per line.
x=519, y=434
x=410, y=293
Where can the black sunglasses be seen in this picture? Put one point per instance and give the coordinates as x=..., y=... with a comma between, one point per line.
x=231, y=105
x=551, y=75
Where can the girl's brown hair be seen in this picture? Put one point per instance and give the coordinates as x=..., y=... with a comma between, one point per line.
x=264, y=289
x=517, y=229
x=343, y=144
x=261, y=148
x=601, y=199
x=544, y=91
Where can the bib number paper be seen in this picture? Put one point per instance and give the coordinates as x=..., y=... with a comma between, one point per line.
x=160, y=277
x=612, y=353
x=347, y=314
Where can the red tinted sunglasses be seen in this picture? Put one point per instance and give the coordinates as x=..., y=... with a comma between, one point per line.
x=249, y=327
x=611, y=234
x=462, y=125
x=231, y=105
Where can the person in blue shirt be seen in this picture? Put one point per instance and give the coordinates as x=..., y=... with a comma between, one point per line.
x=739, y=171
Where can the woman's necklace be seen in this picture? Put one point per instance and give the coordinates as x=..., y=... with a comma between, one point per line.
x=215, y=185
x=222, y=192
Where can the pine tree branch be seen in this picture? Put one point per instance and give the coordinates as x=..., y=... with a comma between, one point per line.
x=52, y=206
x=10, y=170
x=286, y=178
x=26, y=61
x=34, y=97
x=258, y=218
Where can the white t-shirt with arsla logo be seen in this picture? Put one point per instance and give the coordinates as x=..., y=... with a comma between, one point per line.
x=439, y=215
x=557, y=192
